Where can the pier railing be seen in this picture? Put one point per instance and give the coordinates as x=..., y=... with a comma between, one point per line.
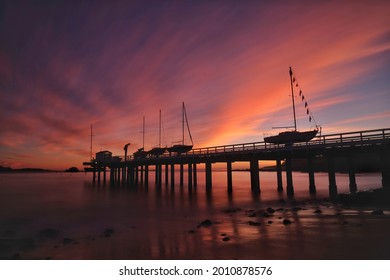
x=348, y=139
x=356, y=138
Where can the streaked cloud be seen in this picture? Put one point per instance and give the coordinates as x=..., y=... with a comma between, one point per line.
x=66, y=66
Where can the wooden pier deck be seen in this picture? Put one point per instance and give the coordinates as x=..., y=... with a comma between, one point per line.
x=132, y=171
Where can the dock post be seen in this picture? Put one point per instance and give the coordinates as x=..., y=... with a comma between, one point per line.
x=385, y=166
x=172, y=175
x=131, y=175
x=352, y=173
x=208, y=176
x=181, y=174
x=255, y=176
x=290, y=186
x=99, y=169
x=195, y=176
x=124, y=175
x=94, y=174
x=112, y=175
x=190, y=176
x=158, y=175
x=146, y=175
x=332, y=177
x=279, y=175
x=229, y=177
x=104, y=174
x=312, y=184
x=119, y=175
x=136, y=175
x=142, y=175
x=166, y=174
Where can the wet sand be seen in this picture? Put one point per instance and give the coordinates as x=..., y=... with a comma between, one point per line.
x=307, y=230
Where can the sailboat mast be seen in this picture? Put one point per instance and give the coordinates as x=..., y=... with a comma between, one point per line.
x=91, y=144
x=159, y=131
x=292, y=97
x=143, y=133
x=183, y=112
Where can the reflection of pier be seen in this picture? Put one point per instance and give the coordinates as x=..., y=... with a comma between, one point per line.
x=345, y=145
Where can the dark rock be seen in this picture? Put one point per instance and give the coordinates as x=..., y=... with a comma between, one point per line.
x=286, y=222
x=251, y=215
x=255, y=224
x=296, y=209
x=269, y=222
x=108, y=232
x=377, y=212
x=318, y=211
x=232, y=210
x=266, y=215
x=270, y=210
x=226, y=238
x=48, y=233
x=67, y=241
x=205, y=223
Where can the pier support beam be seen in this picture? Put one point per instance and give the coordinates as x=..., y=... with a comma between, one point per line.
x=289, y=179
x=208, y=176
x=352, y=173
x=172, y=175
x=190, y=176
x=229, y=177
x=332, y=177
x=310, y=167
x=146, y=175
x=195, y=176
x=142, y=175
x=279, y=175
x=158, y=174
x=385, y=166
x=255, y=176
x=166, y=174
x=181, y=174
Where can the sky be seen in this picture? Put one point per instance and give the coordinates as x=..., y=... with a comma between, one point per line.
x=65, y=65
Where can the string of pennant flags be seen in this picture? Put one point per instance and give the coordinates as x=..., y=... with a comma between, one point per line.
x=302, y=96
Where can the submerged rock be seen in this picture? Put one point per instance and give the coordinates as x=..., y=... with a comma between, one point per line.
x=255, y=224
x=205, y=223
x=318, y=211
x=286, y=222
x=226, y=238
x=377, y=212
x=48, y=233
x=108, y=232
x=270, y=210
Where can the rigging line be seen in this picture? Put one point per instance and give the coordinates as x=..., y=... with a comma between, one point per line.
x=188, y=126
x=295, y=80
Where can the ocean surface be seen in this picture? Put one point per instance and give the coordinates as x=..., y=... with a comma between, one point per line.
x=65, y=216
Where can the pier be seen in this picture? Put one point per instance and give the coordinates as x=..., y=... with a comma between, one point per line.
x=131, y=171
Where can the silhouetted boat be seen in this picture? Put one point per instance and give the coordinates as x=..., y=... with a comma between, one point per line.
x=182, y=148
x=293, y=136
x=158, y=151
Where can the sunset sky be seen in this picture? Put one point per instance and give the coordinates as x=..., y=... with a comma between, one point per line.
x=65, y=65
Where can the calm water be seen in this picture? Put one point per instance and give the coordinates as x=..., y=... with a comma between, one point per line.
x=147, y=222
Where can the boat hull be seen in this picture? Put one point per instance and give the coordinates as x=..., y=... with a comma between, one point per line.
x=291, y=137
x=180, y=149
x=157, y=151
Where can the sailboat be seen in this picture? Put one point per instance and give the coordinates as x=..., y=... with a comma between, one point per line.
x=182, y=148
x=158, y=151
x=141, y=153
x=293, y=136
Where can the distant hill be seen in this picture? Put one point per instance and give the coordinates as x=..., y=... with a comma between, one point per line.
x=9, y=169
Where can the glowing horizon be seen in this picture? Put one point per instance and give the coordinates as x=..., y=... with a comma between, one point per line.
x=65, y=66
